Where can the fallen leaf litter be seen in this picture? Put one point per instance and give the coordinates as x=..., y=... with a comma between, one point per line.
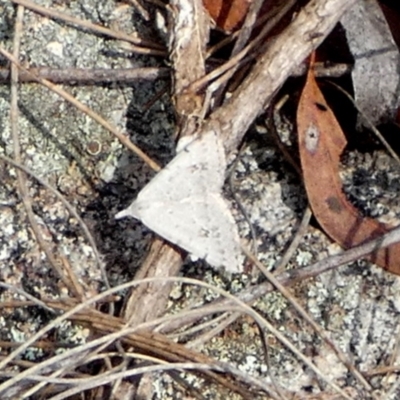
x=357, y=303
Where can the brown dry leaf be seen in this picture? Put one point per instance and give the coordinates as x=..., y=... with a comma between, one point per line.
x=321, y=143
x=227, y=14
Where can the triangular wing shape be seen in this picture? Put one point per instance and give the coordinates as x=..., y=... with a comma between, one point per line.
x=183, y=203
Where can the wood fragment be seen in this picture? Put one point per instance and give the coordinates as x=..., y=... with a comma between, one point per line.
x=232, y=119
x=189, y=35
x=81, y=76
x=311, y=25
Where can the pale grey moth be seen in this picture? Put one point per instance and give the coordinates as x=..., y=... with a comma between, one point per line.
x=183, y=204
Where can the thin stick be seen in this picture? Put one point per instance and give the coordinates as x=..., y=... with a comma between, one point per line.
x=82, y=107
x=233, y=61
x=231, y=181
x=224, y=320
x=291, y=277
x=17, y=155
x=123, y=330
x=248, y=25
x=27, y=295
x=368, y=121
x=155, y=49
x=301, y=231
x=140, y=9
x=69, y=207
x=85, y=76
x=285, y=292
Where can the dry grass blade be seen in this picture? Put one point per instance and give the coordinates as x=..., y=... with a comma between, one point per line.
x=69, y=207
x=285, y=292
x=149, y=342
x=89, y=383
x=254, y=315
x=224, y=320
x=21, y=292
x=65, y=95
x=231, y=183
x=294, y=244
x=248, y=26
x=291, y=277
x=306, y=32
x=154, y=48
x=346, y=257
x=368, y=122
x=229, y=67
x=113, y=328
x=17, y=154
x=142, y=10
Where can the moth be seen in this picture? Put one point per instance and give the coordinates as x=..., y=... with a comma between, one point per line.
x=184, y=204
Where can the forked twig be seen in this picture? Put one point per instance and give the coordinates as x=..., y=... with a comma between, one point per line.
x=143, y=340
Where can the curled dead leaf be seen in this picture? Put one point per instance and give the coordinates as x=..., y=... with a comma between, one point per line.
x=321, y=142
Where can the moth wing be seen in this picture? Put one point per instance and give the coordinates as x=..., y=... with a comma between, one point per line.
x=204, y=228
